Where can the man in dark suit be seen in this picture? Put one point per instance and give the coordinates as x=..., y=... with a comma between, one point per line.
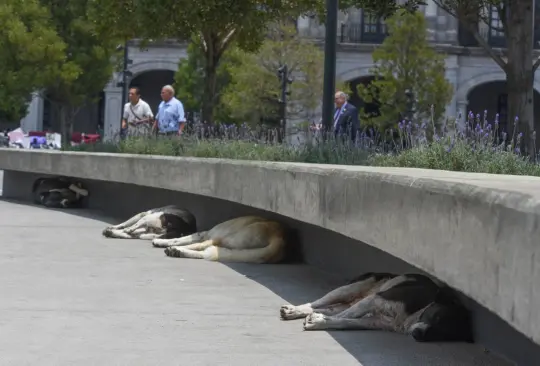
x=345, y=117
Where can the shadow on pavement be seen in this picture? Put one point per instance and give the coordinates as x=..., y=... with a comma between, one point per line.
x=332, y=259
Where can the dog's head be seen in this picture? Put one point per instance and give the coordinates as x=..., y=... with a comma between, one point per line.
x=444, y=320
x=179, y=224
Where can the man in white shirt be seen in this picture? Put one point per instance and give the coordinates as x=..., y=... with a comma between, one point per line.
x=137, y=116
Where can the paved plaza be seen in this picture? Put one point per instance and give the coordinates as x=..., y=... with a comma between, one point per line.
x=71, y=297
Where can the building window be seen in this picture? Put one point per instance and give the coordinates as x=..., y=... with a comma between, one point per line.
x=492, y=33
x=373, y=28
x=496, y=37
x=365, y=29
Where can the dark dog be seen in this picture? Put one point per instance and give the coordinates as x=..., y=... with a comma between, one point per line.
x=164, y=223
x=410, y=304
x=58, y=192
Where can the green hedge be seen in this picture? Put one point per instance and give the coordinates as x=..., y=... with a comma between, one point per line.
x=479, y=155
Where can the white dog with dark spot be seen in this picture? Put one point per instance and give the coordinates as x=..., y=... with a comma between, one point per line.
x=409, y=304
x=58, y=192
x=164, y=222
x=248, y=239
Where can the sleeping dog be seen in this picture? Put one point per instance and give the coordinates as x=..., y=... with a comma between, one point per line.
x=409, y=304
x=248, y=239
x=58, y=192
x=163, y=222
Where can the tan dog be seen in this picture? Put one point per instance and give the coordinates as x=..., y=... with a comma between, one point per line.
x=248, y=239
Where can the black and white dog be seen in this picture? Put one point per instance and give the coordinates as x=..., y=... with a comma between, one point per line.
x=158, y=223
x=409, y=304
x=58, y=192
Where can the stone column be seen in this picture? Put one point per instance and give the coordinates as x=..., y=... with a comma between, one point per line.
x=33, y=121
x=113, y=111
x=430, y=12
x=451, y=108
x=462, y=110
x=451, y=74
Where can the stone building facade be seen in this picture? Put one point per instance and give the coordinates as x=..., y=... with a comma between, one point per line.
x=479, y=83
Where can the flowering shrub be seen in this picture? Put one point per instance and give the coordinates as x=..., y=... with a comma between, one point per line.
x=479, y=146
x=237, y=142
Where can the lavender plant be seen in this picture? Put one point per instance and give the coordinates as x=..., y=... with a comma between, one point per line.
x=471, y=144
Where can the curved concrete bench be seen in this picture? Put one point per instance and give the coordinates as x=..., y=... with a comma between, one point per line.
x=479, y=233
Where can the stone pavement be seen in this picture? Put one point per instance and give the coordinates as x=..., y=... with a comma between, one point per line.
x=71, y=297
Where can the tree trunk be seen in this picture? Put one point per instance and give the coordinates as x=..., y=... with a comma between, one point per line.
x=520, y=75
x=65, y=125
x=210, y=81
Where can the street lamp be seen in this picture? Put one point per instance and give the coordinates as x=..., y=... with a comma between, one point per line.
x=409, y=95
x=285, y=79
x=330, y=42
x=126, y=74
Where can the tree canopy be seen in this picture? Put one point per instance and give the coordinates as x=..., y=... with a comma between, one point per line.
x=409, y=74
x=91, y=56
x=189, y=80
x=216, y=23
x=517, y=61
x=255, y=88
x=32, y=54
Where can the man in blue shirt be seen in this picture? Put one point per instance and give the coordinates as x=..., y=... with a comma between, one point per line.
x=170, y=119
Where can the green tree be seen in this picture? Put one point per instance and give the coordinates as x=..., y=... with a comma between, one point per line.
x=189, y=80
x=216, y=23
x=517, y=61
x=409, y=73
x=254, y=92
x=90, y=59
x=31, y=55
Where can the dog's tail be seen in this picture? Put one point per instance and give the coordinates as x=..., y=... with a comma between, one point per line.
x=377, y=276
x=274, y=252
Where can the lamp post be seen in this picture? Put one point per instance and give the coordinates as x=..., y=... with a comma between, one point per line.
x=410, y=104
x=330, y=42
x=285, y=79
x=126, y=75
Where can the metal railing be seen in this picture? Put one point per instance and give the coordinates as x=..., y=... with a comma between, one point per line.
x=365, y=32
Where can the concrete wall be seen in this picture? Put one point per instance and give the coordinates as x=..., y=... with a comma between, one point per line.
x=476, y=232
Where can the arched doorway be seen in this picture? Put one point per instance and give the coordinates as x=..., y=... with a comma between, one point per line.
x=357, y=101
x=150, y=84
x=493, y=98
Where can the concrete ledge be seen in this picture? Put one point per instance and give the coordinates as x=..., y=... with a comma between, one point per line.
x=479, y=233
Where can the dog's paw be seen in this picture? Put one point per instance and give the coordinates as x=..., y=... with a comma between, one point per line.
x=174, y=252
x=161, y=243
x=107, y=232
x=315, y=321
x=290, y=312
